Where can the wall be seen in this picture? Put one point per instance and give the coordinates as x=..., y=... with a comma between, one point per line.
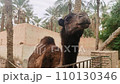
x=109, y=58
x=19, y=33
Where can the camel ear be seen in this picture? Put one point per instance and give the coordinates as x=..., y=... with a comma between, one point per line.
x=61, y=22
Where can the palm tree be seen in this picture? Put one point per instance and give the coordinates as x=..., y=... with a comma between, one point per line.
x=77, y=8
x=37, y=21
x=29, y=14
x=3, y=16
x=63, y=7
x=70, y=6
x=97, y=26
x=2, y=19
x=92, y=6
x=96, y=6
x=51, y=17
x=20, y=8
x=9, y=27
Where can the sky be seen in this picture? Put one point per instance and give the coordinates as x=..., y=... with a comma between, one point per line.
x=41, y=5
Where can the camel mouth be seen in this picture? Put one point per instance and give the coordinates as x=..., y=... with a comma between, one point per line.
x=88, y=23
x=84, y=25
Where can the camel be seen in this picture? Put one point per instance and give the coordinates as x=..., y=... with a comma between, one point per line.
x=73, y=26
x=46, y=54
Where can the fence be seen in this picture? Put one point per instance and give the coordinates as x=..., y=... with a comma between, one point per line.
x=94, y=62
x=99, y=59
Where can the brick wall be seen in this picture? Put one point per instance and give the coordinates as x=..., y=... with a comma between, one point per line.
x=109, y=58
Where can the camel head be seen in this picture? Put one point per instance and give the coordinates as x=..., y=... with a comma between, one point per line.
x=74, y=21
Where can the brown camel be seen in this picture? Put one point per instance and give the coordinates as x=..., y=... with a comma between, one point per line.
x=73, y=26
x=46, y=54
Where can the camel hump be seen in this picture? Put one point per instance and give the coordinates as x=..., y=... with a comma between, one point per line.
x=51, y=57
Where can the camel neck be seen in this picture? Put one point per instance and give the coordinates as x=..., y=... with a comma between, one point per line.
x=70, y=46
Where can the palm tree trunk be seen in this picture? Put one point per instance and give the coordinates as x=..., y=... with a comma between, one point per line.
x=70, y=6
x=19, y=16
x=37, y=24
x=3, y=19
x=28, y=20
x=22, y=17
x=77, y=8
x=97, y=26
x=110, y=39
x=51, y=24
x=55, y=29
x=9, y=27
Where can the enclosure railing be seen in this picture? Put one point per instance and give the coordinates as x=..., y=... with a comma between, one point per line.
x=94, y=62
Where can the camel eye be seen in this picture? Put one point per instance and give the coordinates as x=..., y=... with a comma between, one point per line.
x=68, y=18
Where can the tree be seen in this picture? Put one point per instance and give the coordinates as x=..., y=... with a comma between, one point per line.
x=95, y=7
x=29, y=14
x=63, y=7
x=2, y=19
x=92, y=10
x=110, y=39
x=110, y=23
x=3, y=16
x=51, y=18
x=77, y=8
x=20, y=9
x=52, y=15
x=97, y=26
x=9, y=27
x=37, y=21
x=70, y=6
